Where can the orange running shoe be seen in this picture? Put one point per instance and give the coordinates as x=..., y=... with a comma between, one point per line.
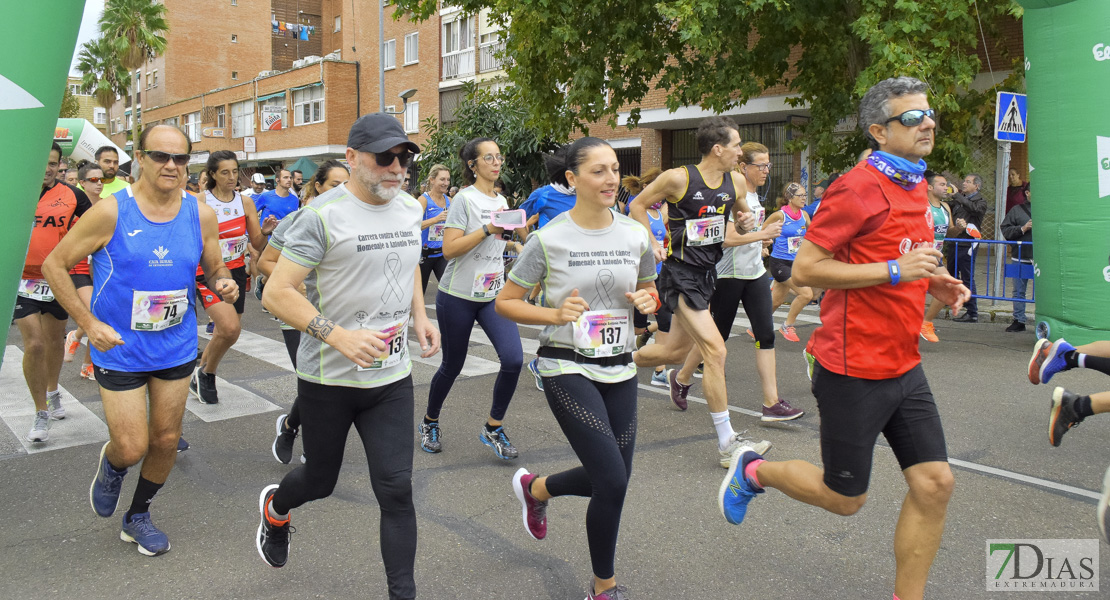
x=751, y=333
x=87, y=373
x=789, y=333
x=72, y=344
x=929, y=332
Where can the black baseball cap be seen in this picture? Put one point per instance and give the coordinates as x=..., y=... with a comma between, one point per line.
x=378, y=132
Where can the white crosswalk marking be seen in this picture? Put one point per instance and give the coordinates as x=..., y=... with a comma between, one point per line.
x=17, y=410
x=234, y=402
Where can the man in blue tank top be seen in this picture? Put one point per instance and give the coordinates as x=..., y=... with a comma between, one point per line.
x=146, y=242
x=699, y=199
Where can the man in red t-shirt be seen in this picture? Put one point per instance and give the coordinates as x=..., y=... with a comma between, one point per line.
x=871, y=246
x=40, y=318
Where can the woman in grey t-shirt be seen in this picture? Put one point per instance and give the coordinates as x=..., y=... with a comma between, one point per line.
x=595, y=267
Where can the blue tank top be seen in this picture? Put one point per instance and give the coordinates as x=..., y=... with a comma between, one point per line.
x=433, y=210
x=793, y=230
x=659, y=230
x=143, y=280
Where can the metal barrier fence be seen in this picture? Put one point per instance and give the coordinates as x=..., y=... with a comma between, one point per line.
x=1013, y=270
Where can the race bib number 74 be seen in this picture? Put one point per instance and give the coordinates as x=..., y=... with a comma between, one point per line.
x=155, y=311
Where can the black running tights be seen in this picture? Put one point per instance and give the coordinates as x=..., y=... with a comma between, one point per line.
x=756, y=296
x=599, y=420
x=292, y=339
x=383, y=418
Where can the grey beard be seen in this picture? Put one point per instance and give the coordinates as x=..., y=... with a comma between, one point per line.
x=384, y=193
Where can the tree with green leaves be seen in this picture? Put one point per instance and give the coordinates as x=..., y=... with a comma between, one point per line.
x=71, y=107
x=499, y=115
x=583, y=61
x=135, y=29
x=102, y=75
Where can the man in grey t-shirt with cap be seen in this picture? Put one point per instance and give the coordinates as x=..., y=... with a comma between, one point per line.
x=356, y=249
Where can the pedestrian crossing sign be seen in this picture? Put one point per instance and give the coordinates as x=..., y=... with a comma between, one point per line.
x=1010, y=118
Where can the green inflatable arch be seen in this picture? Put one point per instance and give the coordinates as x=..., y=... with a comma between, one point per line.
x=1067, y=77
x=30, y=96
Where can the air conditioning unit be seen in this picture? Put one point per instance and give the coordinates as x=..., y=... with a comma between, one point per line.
x=266, y=74
x=300, y=62
x=337, y=55
x=308, y=60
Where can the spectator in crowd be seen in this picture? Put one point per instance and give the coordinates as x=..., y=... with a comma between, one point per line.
x=968, y=208
x=63, y=168
x=1015, y=193
x=298, y=181
x=1018, y=227
x=454, y=190
x=71, y=177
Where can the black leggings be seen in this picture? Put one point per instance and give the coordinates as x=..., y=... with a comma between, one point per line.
x=430, y=264
x=383, y=418
x=292, y=342
x=756, y=296
x=457, y=317
x=599, y=420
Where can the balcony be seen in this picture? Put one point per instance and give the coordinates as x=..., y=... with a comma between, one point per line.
x=458, y=64
x=488, y=56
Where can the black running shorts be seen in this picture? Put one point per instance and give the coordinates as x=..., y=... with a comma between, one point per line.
x=693, y=283
x=780, y=269
x=25, y=307
x=122, y=381
x=81, y=280
x=853, y=413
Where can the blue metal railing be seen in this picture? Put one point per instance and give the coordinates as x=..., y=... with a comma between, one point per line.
x=1013, y=269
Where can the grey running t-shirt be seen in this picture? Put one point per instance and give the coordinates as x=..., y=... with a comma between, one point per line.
x=480, y=273
x=602, y=264
x=745, y=262
x=363, y=260
x=277, y=240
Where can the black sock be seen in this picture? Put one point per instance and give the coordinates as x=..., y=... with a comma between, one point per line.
x=492, y=428
x=144, y=494
x=428, y=420
x=1071, y=359
x=1083, y=407
x=1098, y=363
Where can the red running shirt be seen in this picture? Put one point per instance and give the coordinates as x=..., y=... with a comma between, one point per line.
x=233, y=229
x=871, y=333
x=57, y=210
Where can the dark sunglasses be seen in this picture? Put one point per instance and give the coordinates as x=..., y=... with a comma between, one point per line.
x=913, y=118
x=385, y=159
x=161, y=157
x=93, y=179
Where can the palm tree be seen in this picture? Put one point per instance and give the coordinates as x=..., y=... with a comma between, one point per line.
x=135, y=31
x=101, y=73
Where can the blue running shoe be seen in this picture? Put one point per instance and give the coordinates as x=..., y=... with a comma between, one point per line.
x=736, y=490
x=1055, y=362
x=534, y=369
x=499, y=442
x=104, y=491
x=141, y=531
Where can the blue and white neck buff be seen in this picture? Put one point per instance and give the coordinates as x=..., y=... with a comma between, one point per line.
x=898, y=169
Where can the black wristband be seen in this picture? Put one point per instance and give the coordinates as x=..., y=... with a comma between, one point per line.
x=485, y=229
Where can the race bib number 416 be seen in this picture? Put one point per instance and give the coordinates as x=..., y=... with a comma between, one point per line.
x=703, y=232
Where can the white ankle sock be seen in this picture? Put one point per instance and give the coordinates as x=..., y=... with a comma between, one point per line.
x=273, y=513
x=724, y=428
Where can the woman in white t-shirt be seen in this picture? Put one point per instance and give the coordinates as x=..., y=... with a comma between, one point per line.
x=596, y=267
x=474, y=275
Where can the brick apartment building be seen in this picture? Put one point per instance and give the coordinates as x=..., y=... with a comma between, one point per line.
x=89, y=109
x=278, y=80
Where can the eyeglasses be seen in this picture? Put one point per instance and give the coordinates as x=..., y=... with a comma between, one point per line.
x=161, y=157
x=94, y=179
x=913, y=118
x=490, y=158
x=385, y=159
x=765, y=167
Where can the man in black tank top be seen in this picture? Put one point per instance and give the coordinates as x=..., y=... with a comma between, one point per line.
x=700, y=198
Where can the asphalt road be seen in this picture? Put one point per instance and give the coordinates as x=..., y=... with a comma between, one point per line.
x=674, y=542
